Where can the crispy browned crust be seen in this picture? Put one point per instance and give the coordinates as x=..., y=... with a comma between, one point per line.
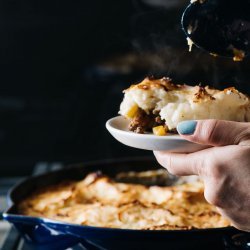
x=202, y=94
x=99, y=201
x=151, y=82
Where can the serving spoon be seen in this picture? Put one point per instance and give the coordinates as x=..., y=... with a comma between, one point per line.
x=221, y=27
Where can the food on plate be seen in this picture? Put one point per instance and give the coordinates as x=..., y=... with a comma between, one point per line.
x=100, y=201
x=159, y=104
x=160, y=130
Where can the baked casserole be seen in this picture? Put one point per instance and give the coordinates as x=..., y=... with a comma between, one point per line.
x=158, y=105
x=100, y=201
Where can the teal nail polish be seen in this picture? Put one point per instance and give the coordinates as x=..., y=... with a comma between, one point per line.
x=186, y=127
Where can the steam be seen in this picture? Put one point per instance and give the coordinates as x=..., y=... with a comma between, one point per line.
x=164, y=4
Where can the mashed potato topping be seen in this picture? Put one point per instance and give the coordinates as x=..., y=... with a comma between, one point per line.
x=100, y=201
x=171, y=103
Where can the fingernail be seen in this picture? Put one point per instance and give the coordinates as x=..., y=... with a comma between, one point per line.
x=186, y=127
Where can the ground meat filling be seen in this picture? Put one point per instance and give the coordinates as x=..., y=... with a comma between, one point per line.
x=143, y=122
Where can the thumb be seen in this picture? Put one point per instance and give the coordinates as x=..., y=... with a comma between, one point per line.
x=214, y=132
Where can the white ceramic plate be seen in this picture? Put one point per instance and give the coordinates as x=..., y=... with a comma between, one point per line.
x=118, y=127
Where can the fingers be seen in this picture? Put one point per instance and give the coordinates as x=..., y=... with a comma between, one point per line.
x=214, y=132
x=207, y=163
x=182, y=164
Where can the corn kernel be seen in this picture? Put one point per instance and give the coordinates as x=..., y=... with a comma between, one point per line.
x=132, y=112
x=159, y=130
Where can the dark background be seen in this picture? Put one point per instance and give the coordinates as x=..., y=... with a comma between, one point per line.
x=64, y=64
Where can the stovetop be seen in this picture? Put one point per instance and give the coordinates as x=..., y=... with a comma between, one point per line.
x=13, y=241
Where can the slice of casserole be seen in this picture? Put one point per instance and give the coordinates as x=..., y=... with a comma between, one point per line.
x=158, y=105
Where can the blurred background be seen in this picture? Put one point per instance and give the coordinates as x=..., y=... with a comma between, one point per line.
x=64, y=64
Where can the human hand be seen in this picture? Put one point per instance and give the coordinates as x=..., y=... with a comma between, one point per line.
x=224, y=167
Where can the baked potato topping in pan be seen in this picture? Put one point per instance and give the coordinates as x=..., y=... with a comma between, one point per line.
x=100, y=201
x=158, y=105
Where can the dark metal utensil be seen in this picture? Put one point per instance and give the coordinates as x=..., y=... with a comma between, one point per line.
x=221, y=27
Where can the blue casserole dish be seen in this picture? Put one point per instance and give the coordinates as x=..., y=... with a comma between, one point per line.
x=43, y=233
